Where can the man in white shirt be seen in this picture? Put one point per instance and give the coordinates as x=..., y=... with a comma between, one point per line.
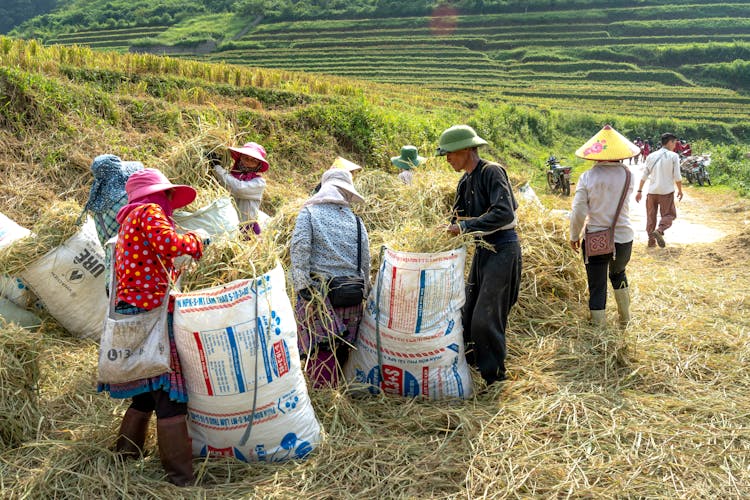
x=663, y=169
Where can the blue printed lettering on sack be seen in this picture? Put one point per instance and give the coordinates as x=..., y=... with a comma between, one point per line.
x=457, y=375
x=276, y=320
x=451, y=324
x=264, y=414
x=420, y=302
x=218, y=421
x=262, y=326
x=372, y=379
x=235, y=359
x=206, y=300
x=265, y=282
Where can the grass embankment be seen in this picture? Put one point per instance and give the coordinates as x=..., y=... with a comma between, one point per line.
x=657, y=410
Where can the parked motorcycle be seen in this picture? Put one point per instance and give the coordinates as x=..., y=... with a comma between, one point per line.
x=558, y=177
x=695, y=169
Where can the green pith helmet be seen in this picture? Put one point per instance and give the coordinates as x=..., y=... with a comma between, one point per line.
x=458, y=137
x=409, y=158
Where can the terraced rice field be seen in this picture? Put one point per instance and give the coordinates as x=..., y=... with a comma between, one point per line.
x=116, y=39
x=626, y=61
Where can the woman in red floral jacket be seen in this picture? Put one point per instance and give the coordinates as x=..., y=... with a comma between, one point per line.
x=146, y=247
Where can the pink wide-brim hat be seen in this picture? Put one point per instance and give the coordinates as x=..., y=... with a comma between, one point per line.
x=253, y=150
x=149, y=181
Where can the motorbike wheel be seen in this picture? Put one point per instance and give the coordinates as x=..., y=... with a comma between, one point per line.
x=551, y=184
x=566, y=187
x=708, y=181
x=699, y=179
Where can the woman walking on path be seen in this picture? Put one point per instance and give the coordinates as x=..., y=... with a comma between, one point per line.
x=601, y=193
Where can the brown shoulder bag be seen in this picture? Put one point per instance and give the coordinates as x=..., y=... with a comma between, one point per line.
x=603, y=242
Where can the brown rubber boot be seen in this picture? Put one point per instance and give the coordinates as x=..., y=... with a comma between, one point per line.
x=132, y=435
x=175, y=450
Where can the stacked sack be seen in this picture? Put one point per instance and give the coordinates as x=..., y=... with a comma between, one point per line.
x=15, y=297
x=411, y=337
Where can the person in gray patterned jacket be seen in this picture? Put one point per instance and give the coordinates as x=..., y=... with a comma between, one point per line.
x=325, y=246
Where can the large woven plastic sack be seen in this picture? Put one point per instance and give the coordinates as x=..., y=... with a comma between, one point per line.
x=419, y=292
x=11, y=313
x=264, y=220
x=432, y=365
x=12, y=288
x=410, y=340
x=217, y=218
x=15, y=290
x=241, y=364
x=70, y=282
x=10, y=231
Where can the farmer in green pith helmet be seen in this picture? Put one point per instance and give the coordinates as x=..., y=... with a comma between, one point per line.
x=407, y=162
x=485, y=205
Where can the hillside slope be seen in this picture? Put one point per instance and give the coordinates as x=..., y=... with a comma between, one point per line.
x=640, y=59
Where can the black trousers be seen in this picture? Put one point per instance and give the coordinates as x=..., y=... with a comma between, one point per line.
x=602, y=266
x=491, y=291
x=159, y=402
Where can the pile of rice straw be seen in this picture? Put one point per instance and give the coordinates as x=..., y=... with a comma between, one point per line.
x=655, y=410
x=52, y=228
x=225, y=260
x=19, y=375
x=553, y=276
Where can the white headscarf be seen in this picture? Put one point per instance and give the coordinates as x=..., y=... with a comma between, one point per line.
x=336, y=187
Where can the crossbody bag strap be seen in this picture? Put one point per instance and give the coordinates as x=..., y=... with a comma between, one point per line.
x=622, y=198
x=619, y=208
x=359, y=244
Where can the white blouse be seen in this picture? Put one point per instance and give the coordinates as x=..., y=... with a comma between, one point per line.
x=595, y=202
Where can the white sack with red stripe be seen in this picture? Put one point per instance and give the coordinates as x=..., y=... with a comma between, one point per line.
x=220, y=341
x=418, y=322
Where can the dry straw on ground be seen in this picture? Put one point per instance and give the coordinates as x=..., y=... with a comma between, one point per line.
x=20, y=415
x=656, y=410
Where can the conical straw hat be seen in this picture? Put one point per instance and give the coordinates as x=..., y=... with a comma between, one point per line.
x=345, y=164
x=607, y=144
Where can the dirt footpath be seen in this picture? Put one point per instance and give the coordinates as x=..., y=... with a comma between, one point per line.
x=705, y=214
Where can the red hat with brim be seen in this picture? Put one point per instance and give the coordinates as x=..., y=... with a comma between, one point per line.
x=253, y=150
x=149, y=181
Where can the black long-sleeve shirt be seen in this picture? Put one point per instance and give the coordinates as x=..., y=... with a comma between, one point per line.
x=485, y=202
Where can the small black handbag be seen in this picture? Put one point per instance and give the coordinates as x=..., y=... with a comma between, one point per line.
x=347, y=291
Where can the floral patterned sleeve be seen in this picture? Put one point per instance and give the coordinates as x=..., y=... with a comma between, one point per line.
x=165, y=240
